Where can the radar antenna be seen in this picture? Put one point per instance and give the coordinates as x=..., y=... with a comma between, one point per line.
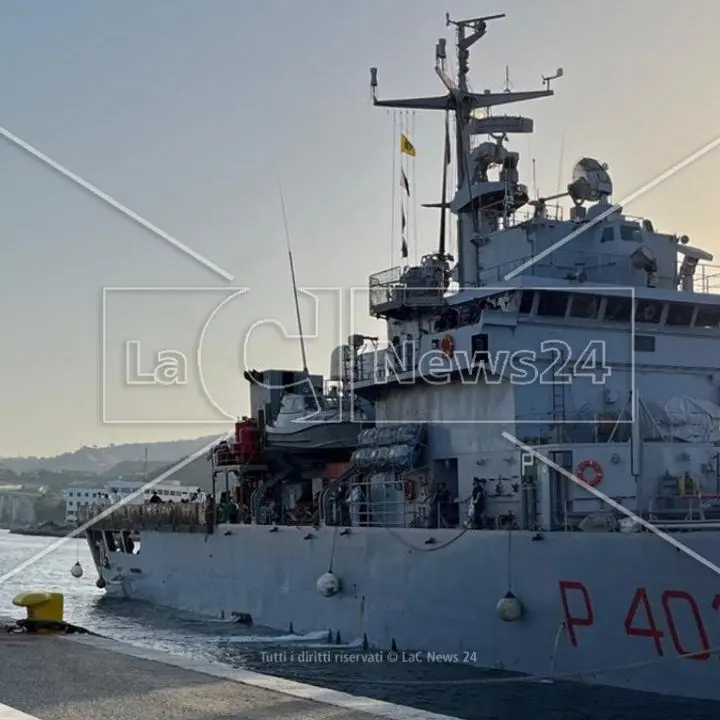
x=547, y=80
x=478, y=28
x=476, y=211
x=591, y=182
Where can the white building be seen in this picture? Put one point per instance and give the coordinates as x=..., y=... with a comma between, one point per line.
x=77, y=497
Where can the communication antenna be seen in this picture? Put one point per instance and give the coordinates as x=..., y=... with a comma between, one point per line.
x=535, y=190
x=292, y=275
x=547, y=80
x=508, y=84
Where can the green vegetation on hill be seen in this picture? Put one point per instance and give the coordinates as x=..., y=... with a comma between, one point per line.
x=100, y=460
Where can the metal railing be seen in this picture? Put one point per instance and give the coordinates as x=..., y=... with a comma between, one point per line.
x=414, y=285
x=154, y=516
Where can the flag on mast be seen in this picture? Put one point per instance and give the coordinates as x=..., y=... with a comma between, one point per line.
x=404, y=182
x=406, y=146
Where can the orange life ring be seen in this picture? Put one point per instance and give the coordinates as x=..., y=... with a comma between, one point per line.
x=409, y=490
x=447, y=345
x=593, y=465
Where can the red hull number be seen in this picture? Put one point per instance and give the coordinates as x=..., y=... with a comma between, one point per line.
x=679, y=609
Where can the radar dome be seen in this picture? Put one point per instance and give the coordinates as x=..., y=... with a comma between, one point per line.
x=591, y=181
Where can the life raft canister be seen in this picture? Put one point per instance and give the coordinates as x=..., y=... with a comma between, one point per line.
x=409, y=490
x=447, y=345
x=593, y=465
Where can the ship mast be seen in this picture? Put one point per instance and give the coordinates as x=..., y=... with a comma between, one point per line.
x=475, y=198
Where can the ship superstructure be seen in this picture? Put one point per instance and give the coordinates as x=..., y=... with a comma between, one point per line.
x=569, y=381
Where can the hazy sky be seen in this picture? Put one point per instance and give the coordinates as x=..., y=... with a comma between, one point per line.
x=190, y=111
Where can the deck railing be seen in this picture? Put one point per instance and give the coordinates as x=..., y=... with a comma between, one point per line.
x=165, y=516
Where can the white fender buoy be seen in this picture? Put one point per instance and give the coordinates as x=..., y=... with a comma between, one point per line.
x=76, y=570
x=509, y=608
x=328, y=585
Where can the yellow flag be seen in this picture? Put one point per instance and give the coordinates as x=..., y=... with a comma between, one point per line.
x=406, y=146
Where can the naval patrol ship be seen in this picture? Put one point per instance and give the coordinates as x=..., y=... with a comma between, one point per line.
x=537, y=491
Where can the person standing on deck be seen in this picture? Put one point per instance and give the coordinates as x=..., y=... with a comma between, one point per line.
x=356, y=504
x=476, y=505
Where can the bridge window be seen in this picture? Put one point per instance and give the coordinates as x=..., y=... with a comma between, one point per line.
x=630, y=232
x=608, y=234
x=526, y=302
x=618, y=309
x=553, y=304
x=648, y=311
x=708, y=316
x=680, y=314
x=585, y=306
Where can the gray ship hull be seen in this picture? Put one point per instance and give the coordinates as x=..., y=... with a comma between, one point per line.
x=589, y=598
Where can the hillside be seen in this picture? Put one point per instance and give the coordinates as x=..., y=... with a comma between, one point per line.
x=95, y=460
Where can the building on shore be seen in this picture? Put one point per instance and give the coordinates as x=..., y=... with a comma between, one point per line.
x=77, y=497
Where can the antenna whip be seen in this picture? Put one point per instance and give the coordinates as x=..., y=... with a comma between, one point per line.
x=292, y=275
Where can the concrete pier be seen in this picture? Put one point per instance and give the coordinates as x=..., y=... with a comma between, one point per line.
x=81, y=677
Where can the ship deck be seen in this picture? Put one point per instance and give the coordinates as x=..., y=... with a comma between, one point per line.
x=89, y=677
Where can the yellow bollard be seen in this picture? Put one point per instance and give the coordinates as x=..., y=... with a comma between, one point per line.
x=42, y=607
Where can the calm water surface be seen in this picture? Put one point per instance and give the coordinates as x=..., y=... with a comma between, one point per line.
x=463, y=692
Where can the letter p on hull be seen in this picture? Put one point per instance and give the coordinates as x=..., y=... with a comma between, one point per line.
x=526, y=461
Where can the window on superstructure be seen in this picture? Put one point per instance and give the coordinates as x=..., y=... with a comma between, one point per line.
x=608, y=234
x=526, y=302
x=644, y=343
x=630, y=232
x=585, y=306
x=680, y=314
x=552, y=304
x=708, y=316
x=648, y=311
x=618, y=309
